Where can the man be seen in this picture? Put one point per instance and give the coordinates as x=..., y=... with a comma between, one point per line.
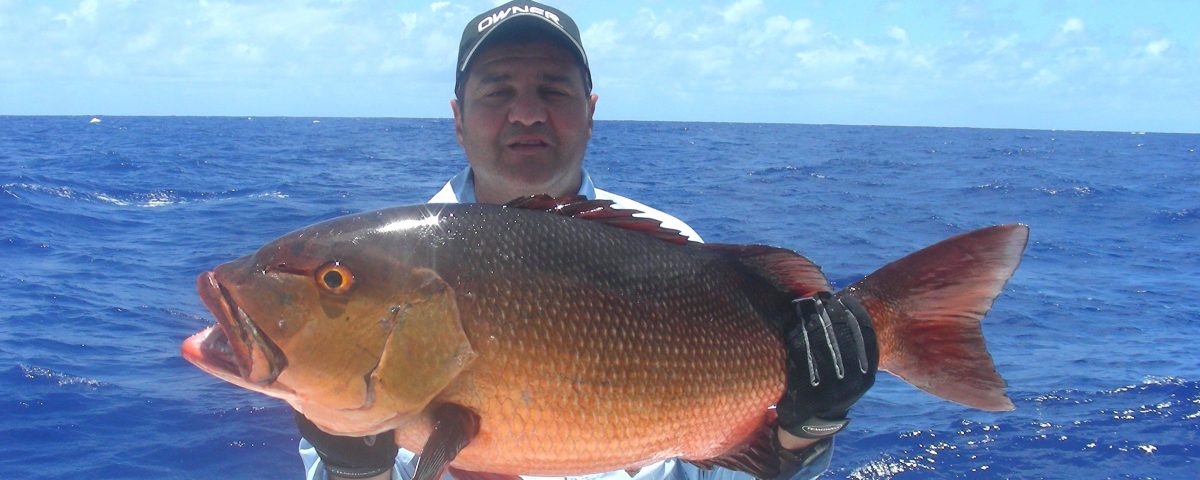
x=523, y=115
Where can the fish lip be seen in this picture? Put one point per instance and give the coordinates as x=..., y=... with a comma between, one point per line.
x=255, y=358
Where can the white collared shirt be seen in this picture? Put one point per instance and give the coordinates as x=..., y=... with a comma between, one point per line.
x=461, y=189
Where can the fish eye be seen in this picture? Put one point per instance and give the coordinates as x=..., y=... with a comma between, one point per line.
x=335, y=278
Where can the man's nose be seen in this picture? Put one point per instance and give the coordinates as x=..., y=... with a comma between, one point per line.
x=527, y=109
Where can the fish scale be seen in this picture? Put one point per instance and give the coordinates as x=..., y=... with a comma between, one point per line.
x=679, y=364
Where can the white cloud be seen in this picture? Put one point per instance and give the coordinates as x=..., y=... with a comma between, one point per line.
x=898, y=34
x=741, y=10
x=779, y=30
x=242, y=51
x=834, y=57
x=647, y=22
x=142, y=43
x=1044, y=78
x=716, y=60
x=602, y=37
x=435, y=6
x=86, y=11
x=1072, y=25
x=410, y=21
x=397, y=64
x=1157, y=47
x=662, y=31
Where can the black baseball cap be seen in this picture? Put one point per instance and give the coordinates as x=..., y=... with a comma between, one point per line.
x=516, y=16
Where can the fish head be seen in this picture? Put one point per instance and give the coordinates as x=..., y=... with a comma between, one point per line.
x=340, y=320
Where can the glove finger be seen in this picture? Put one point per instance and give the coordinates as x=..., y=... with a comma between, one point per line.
x=817, y=336
x=857, y=309
x=800, y=355
x=835, y=351
x=866, y=327
x=860, y=347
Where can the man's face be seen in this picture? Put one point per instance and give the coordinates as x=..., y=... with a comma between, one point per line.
x=524, y=121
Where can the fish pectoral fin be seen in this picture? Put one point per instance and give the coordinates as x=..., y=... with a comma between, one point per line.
x=453, y=428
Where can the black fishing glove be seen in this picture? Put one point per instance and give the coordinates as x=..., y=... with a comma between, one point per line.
x=832, y=357
x=350, y=457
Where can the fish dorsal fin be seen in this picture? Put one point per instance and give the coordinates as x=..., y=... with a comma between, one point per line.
x=781, y=266
x=603, y=211
x=453, y=428
x=758, y=455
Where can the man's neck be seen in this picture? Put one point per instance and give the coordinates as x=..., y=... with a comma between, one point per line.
x=501, y=195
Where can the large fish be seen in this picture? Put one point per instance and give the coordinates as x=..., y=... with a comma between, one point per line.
x=565, y=337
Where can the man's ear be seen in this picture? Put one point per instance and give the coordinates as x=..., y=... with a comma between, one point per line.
x=591, y=110
x=454, y=107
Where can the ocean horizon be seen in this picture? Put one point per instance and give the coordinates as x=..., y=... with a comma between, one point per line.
x=101, y=118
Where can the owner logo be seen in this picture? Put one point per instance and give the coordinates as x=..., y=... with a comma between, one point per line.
x=822, y=430
x=500, y=15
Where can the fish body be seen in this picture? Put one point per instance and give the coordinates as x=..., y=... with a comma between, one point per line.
x=581, y=338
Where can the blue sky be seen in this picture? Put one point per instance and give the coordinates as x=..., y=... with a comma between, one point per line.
x=1068, y=64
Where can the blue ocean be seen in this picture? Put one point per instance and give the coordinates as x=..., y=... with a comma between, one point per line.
x=104, y=227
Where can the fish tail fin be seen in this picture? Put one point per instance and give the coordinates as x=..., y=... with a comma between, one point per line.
x=926, y=310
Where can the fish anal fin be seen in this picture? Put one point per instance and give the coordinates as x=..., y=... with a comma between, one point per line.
x=453, y=428
x=603, y=211
x=758, y=455
x=926, y=309
x=781, y=266
x=469, y=475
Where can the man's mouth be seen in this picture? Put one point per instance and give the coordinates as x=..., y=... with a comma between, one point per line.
x=528, y=143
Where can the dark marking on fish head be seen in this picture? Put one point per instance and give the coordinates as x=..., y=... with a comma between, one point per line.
x=426, y=347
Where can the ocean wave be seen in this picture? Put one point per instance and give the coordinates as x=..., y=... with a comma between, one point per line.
x=1000, y=187
x=1181, y=215
x=151, y=199
x=1151, y=381
x=1075, y=191
x=887, y=467
x=47, y=375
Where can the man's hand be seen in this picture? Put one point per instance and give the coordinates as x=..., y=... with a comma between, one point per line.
x=351, y=457
x=832, y=360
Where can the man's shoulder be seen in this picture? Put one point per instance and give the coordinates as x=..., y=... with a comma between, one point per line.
x=668, y=220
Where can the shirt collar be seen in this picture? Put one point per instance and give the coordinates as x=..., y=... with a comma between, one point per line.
x=463, y=186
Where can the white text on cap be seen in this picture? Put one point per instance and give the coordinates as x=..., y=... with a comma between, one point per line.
x=502, y=14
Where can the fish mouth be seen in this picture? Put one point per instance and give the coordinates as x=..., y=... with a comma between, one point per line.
x=234, y=347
